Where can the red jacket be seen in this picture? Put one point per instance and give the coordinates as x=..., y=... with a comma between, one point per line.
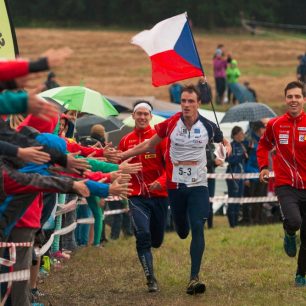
x=152, y=164
x=73, y=147
x=288, y=136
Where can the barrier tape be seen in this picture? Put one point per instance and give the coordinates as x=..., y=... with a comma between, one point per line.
x=15, y=276
x=62, y=231
x=244, y=200
x=236, y=175
x=12, y=276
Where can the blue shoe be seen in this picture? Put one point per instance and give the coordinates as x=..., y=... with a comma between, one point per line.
x=290, y=244
x=300, y=281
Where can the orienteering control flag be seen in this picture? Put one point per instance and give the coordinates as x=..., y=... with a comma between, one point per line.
x=171, y=49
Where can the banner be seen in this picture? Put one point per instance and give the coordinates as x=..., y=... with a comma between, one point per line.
x=8, y=42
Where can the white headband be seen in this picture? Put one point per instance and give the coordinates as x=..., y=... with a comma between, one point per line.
x=144, y=105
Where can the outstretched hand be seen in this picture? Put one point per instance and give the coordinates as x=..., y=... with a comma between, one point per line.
x=76, y=165
x=80, y=188
x=33, y=155
x=56, y=57
x=128, y=168
x=39, y=107
x=120, y=189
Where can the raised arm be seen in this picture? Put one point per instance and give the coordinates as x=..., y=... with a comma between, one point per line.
x=146, y=146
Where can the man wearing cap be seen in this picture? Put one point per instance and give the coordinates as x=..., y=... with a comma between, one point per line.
x=188, y=134
x=149, y=200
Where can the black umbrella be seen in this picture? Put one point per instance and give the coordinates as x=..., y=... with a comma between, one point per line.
x=61, y=107
x=249, y=111
x=85, y=123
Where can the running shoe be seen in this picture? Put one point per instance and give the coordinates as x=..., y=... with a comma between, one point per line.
x=195, y=286
x=290, y=244
x=60, y=255
x=300, y=281
x=43, y=273
x=152, y=284
x=36, y=293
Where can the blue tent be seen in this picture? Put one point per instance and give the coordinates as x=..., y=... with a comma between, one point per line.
x=241, y=93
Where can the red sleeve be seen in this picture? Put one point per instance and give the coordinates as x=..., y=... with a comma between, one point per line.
x=97, y=176
x=73, y=147
x=164, y=128
x=13, y=69
x=161, y=149
x=265, y=144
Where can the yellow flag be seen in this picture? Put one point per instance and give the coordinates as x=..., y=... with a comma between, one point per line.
x=8, y=43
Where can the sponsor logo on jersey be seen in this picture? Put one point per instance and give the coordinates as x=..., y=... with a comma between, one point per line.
x=147, y=156
x=283, y=141
x=284, y=135
x=302, y=137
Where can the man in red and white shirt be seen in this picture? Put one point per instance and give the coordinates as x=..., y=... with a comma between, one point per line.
x=149, y=200
x=287, y=136
x=188, y=134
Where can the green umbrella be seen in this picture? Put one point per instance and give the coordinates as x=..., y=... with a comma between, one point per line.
x=129, y=121
x=81, y=99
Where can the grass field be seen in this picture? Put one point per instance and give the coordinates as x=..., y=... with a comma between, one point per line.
x=106, y=61
x=242, y=266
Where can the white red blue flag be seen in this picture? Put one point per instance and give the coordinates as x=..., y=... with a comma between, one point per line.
x=172, y=50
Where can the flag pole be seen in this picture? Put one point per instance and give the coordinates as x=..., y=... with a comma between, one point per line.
x=205, y=80
x=205, y=84
x=13, y=33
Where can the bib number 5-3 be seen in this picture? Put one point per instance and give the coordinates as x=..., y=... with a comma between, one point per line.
x=184, y=174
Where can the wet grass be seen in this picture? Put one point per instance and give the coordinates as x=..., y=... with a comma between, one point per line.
x=242, y=266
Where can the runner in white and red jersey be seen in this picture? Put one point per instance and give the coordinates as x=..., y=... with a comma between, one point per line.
x=287, y=135
x=188, y=134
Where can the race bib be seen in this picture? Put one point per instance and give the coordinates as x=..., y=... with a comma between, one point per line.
x=185, y=174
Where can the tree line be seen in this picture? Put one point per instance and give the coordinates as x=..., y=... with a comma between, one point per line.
x=207, y=14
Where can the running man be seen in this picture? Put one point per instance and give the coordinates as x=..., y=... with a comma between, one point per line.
x=287, y=135
x=149, y=200
x=188, y=134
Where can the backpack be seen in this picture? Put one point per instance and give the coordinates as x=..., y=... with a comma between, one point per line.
x=175, y=91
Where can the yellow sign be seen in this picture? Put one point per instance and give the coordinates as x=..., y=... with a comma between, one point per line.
x=6, y=38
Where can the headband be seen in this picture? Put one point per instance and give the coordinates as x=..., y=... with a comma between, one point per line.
x=144, y=105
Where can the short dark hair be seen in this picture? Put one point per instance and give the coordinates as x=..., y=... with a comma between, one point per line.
x=191, y=89
x=235, y=130
x=257, y=125
x=142, y=101
x=295, y=84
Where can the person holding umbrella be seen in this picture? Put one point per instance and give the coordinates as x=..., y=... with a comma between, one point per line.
x=287, y=135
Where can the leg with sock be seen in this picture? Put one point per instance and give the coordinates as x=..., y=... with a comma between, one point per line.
x=198, y=211
x=140, y=212
x=301, y=269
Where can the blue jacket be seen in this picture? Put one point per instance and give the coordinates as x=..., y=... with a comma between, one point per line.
x=236, y=161
x=54, y=141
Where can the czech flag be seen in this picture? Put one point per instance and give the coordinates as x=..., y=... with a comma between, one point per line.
x=172, y=50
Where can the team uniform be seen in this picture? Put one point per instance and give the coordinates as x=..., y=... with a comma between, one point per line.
x=148, y=208
x=287, y=135
x=187, y=178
